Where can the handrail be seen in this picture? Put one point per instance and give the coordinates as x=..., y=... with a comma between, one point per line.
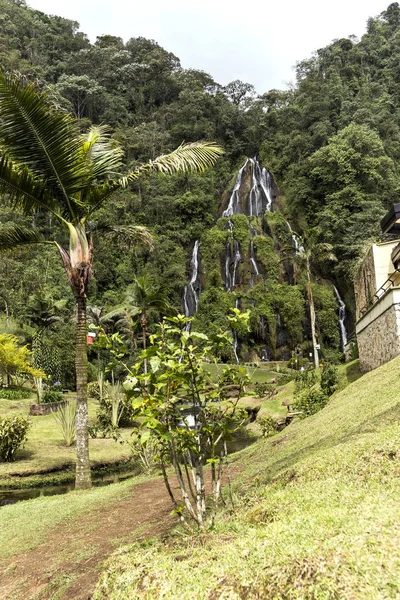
x=378, y=296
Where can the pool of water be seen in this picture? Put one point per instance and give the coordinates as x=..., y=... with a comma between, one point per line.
x=13, y=496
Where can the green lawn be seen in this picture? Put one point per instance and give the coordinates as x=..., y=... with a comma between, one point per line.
x=317, y=514
x=262, y=374
x=45, y=451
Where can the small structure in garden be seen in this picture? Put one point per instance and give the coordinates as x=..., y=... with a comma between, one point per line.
x=377, y=294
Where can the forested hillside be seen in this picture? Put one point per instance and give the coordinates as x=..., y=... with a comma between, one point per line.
x=331, y=146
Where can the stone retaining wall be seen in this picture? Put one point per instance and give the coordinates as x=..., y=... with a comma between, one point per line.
x=38, y=410
x=379, y=342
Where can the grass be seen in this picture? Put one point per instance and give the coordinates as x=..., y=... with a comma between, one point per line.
x=317, y=514
x=257, y=374
x=45, y=451
x=25, y=525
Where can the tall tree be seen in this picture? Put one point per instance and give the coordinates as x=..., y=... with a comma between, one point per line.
x=47, y=165
x=310, y=252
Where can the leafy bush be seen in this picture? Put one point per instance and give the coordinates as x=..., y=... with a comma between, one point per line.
x=143, y=453
x=268, y=426
x=93, y=390
x=15, y=394
x=115, y=410
x=50, y=396
x=329, y=378
x=304, y=380
x=310, y=401
x=13, y=432
x=264, y=389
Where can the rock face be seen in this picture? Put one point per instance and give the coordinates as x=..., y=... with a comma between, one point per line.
x=247, y=252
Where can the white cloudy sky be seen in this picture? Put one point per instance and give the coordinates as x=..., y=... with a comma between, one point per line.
x=258, y=42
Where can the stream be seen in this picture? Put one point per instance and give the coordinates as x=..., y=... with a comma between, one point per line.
x=240, y=441
x=13, y=496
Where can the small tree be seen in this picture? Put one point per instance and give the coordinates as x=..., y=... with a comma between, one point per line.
x=186, y=415
x=14, y=361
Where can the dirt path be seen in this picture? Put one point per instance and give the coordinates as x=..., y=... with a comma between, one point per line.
x=66, y=566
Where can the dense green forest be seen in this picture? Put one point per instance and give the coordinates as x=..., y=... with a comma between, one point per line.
x=331, y=143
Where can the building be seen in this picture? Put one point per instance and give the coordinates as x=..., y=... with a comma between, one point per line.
x=377, y=295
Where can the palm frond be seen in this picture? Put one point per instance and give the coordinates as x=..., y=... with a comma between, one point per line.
x=12, y=235
x=103, y=154
x=129, y=234
x=40, y=137
x=20, y=187
x=194, y=157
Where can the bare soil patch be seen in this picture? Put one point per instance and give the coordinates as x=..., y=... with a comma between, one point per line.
x=67, y=565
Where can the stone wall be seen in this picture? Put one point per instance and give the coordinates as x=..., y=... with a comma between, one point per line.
x=379, y=342
x=38, y=410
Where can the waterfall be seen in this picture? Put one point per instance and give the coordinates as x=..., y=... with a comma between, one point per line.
x=192, y=289
x=299, y=249
x=236, y=260
x=235, y=337
x=234, y=200
x=261, y=193
x=232, y=278
x=261, y=197
x=253, y=259
x=342, y=319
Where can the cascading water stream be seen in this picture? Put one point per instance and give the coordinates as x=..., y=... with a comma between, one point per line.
x=192, y=289
x=236, y=260
x=342, y=319
x=261, y=193
x=253, y=259
x=235, y=337
x=234, y=201
x=261, y=189
x=295, y=242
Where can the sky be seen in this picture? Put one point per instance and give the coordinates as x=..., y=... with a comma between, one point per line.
x=259, y=42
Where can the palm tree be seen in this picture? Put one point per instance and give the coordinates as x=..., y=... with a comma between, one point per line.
x=47, y=165
x=310, y=251
x=143, y=295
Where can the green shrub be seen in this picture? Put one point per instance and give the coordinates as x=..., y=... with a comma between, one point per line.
x=93, y=390
x=329, y=378
x=268, y=426
x=310, y=401
x=50, y=396
x=65, y=416
x=13, y=432
x=264, y=389
x=304, y=380
x=115, y=410
x=15, y=394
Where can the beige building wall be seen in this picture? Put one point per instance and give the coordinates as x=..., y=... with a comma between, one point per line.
x=374, y=272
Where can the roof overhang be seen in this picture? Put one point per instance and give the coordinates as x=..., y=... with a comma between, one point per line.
x=391, y=221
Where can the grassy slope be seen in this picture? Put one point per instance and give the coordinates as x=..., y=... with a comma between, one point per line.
x=45, y=450
x=317, y=514
x=27, y=524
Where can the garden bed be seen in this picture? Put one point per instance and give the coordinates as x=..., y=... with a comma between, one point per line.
x=39, y=410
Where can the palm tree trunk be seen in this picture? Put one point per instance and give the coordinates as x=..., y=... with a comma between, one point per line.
x=83, y=478
x=312, y=316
